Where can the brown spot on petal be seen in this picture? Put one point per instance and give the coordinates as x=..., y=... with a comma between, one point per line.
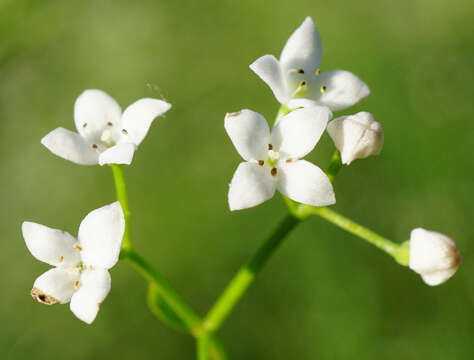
x=261, y=162
x=273, y=171
x=231, y=114
x=41, y=297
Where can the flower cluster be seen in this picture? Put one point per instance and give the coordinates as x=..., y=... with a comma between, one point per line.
x=273, y=160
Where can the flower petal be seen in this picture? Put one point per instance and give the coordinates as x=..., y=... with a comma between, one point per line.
x=269, y=70
x=249, y=133
x=137, y=118
x=100, y=236
x=303, y=50
x=122, y=153
x=52, y=246
x=251, y=185
x=297, y=133
x=341, y=89
x=70, y=146
x=93, y=110
x=55, y=286
x=306, y=183
x=94, y=286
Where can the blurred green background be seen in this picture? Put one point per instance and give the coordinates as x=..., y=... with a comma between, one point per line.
x=326, y=294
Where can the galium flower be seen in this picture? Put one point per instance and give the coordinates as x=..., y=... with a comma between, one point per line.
x=433, y=255
x=106, y=136
x=80, y=274
x=272, y=160
x=356, y=136
x=297, y=74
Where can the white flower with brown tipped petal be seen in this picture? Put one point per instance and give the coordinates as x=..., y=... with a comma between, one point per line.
x=106, y=136
x=80, y=274
x=272, y=160
x=296, y=80
x=433, y=255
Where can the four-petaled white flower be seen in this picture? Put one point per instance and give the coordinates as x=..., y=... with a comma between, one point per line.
x=296, y=77
x=356, y=136
x=81, y=267
x=433, y=255
x=106, y=136
x=272, y=159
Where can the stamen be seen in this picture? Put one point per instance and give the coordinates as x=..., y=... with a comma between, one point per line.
x=76, y=283
x=109, y=123
x=318, y=72
x=84, y=125
x=301, y=86
x=273, y=171
x=125, y=132
x=61, y=258
x=94, y=146
x=77, y=247
x=300, y=71
x=270, y=147
x=261, y=162
x=289, y=160
x=323, y=89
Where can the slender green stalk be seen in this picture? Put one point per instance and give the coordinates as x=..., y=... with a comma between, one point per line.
x=334, y=166
x=347, y=224
x=121, y=190
x=245, y=276
x=179, y=306
x=202, y=343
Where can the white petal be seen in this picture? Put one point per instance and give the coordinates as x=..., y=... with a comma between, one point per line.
x=268, y=69
x=303, y=50
x=94, y=286
x=342, y=89
x=249, y=133
x=55, y=286
x=52, y=246
x=100, y=236
x=137, y=118
x=438, y=277
x=356, y=136
x=306, y=183
x=70, y=146
x=251, y=185
x=297, y=133
x=296, y=103
x=93, y=110
x=122, y=153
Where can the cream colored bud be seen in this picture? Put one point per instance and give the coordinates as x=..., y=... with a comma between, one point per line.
x=356, y=136
x=433, y=255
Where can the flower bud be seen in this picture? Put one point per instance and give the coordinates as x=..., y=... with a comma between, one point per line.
x=433, y=255
x=356, y=136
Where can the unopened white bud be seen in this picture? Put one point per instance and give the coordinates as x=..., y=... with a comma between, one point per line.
x=433, y=255
x=356, y=136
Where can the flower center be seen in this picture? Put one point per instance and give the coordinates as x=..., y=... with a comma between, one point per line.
x=271, y=160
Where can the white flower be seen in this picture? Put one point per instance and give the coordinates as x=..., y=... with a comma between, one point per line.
x=356, y=136
x=106, y=136
x=296, y=75
x=272, y=158
x=433, y=255
x=80, y=266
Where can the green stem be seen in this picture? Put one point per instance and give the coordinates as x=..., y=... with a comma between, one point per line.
x=179, y=306
x=245, y=276
x=121, y=190
x=203, y=347
x=334, y=166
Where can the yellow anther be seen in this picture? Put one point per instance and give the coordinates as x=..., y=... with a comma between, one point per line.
x=323, y=89
x=318, y=72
